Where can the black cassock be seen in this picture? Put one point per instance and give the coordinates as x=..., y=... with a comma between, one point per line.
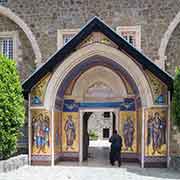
x=116, y=144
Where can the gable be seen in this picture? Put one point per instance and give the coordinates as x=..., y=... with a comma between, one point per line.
x=95, y=31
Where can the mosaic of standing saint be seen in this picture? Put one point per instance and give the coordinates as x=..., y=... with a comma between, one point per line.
x=70, y=131
x=128, y=134
x=128, y=129
x=156, y=137
x=40, y=133
x=156, y=132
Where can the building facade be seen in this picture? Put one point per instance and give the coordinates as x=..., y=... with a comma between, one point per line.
x=32, y=31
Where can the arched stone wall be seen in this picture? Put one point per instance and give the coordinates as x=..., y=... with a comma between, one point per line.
x=172, y=51
x=166, y=38
x=8, y=13
x=101, y=50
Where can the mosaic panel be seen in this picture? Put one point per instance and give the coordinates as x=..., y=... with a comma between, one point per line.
x=70, y=131
x=38, y=92
x=126, y=104
x=40, y=132
x=159, y=89
x=97, y=37
x=156, y=132
x=128, y=131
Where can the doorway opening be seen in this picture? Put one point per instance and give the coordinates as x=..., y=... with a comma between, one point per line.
x=98, y=126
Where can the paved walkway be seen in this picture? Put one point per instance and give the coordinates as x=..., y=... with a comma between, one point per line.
x=96, y=168
x=89, y=173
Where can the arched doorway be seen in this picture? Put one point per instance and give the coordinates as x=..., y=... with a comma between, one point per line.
x=129, y=77
x=95, y=85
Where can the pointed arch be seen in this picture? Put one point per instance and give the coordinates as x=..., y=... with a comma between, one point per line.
x=89, y=51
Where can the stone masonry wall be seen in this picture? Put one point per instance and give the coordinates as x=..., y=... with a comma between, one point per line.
x=44, y=17
x=25, y=56
x=13, y=163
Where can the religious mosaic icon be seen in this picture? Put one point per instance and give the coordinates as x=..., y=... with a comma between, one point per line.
x=40, y=133
x=156, y=133
x=159, y=89
x=128, y=133
x=70, y=131
x=38, y=92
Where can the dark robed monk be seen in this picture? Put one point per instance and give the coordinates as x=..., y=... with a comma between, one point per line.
x=116, y=144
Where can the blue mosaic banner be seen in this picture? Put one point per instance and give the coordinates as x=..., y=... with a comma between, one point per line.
x=127, y=104
x=70, y=106
x=99, y=104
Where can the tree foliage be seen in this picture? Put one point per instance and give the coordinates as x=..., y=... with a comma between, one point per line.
x=176, y=98
x=12, y=112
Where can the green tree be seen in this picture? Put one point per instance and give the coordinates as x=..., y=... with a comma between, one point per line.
x=176, y=98
x=12, y=111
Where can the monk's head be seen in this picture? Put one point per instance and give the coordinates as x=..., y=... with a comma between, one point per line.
x=115, y=132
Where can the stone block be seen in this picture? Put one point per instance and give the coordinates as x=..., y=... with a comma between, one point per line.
x=13, y=163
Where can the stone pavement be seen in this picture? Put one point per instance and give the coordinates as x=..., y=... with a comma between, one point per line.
x=89, y=173
x=96, y=168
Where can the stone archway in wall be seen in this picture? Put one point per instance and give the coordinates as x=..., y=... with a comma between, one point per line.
x=57, y=84
x=166, y=38
x=12, y=16
x=105, y=94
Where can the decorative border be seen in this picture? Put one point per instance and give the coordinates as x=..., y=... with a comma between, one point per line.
x=41, y=157
x=155, y=159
